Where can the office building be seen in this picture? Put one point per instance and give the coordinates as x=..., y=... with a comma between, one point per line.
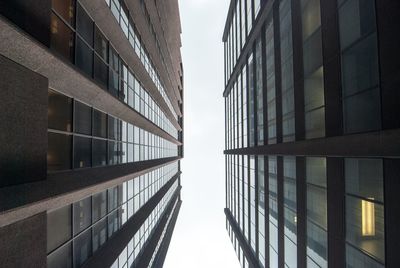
x=312, y=132
x=91, y=101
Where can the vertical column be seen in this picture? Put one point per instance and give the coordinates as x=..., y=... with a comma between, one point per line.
x=336, y=212
x=301, y=212
x=332, y=70
x=388, y=23
x=392, y=207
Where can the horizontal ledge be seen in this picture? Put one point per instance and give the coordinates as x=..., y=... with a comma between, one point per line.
x=384, y=143
x=22, y=201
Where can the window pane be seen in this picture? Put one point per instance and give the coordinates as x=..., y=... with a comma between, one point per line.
x=82, y=214
x=312, y=53
x=99, y=206
x=61, y=258
x=101, y=45
x=99, y=124
x=59, y=111
x=83, y=118
x=99, y=234
x=362, y=112
x=112, y=153
x=59, y=151
x=113, y=223
x=364, y=178
x=59, y=228
x=315, y=123
x=82, y=152
x=316, y=171
x=84, y=25
x=100, y=71
x=355, y=258
x=365, y=226
x=65, y=8
x=112, y=127
x=311, y=17
x=82, y=248
x=62, y=38
x=84, y=57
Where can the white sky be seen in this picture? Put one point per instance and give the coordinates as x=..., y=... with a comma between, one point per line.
x=200, y=239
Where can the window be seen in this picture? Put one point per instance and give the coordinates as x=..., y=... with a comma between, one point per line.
x=99, y=234
x=100, y=44
x=82, y=152
x=112, y=128
x=288, y=120
x=251, y=102
x=59, y=111
x=317, y=241
x=62, y=38
x=273, y=211
x=99, y=154
x=113, y=155
x=59, y=228
x=59, y=151
x=100, y=71
x=360, y=69
x=82, y=248
x=84, y=57
x=84, y=25
x=271, y=90
x=82, y=215
x=259, y=93
x=261, y=210
x=113, y=80
x=290, y=211
x=99, y=206
x=65, y=9
x=83, y=118
x=62, y=257
x=365, y=231
x=99, y=124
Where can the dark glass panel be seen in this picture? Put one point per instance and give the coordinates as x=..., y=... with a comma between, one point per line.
x=84, y=25
x=65, y=8
x=99, y=234
x=61, y=258
x=99, y=124
x=59, y=227
x=82, y=152
x=59, y=151
x=82, y=214
x=99, y=206
x=59, y=111
x=100, y=44
x=62, y=38
x=83, y=118
x=100, y=71
x=84, y=57
x=112, y=153
x=82, y=248
x=99, y=152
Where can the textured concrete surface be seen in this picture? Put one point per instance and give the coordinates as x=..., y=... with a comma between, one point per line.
x=22, y=201
x=72, y=83
x=23, y=128
x=23, y=244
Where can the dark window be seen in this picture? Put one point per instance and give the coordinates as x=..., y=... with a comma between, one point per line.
x=62, y=38
x=100, y=44
x=99, y=206
x=82, y=215
x=99, y=152
x=59, y=228
x=112, y=128
x=59, y=111
x=83, y=118
x=84, y=57
x=113, y=223
x=82, y=152
x=82, y=248
x=113, y=79
x=112, y=153
x=112, y=198
x=84, y=25
x=99, y=124
x=99, y=234
x=100, y=71
x=59, y=151
x=65, y=8
x=62, y=257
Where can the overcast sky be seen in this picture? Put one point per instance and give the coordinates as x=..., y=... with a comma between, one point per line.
x=200, y=238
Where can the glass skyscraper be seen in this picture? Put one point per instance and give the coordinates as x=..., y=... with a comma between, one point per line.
x=312, y=133
x=91, y=97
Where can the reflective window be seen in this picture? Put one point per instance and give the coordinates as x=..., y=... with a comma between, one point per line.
x=59, y=228
x=83, y=118
x=360, y=69
x=82, y=152
x=100, y=70
x=365, y=225
x=65, y=8
x=59, y=151
x=99, y=124
x=317, y=241
x=271, y=95
x=273, y=211
x=61, y=258
x=259, y=94
x=82, y=215
x=62, y=38
x=82, y=248
x=261, y=210
x=251, y=101
x=84, y=57
x=99, y=234
x=59, y=111
x=84, y=25
x=99, y=206
x=285, y=17
x=100, y=44
x=290, y=211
